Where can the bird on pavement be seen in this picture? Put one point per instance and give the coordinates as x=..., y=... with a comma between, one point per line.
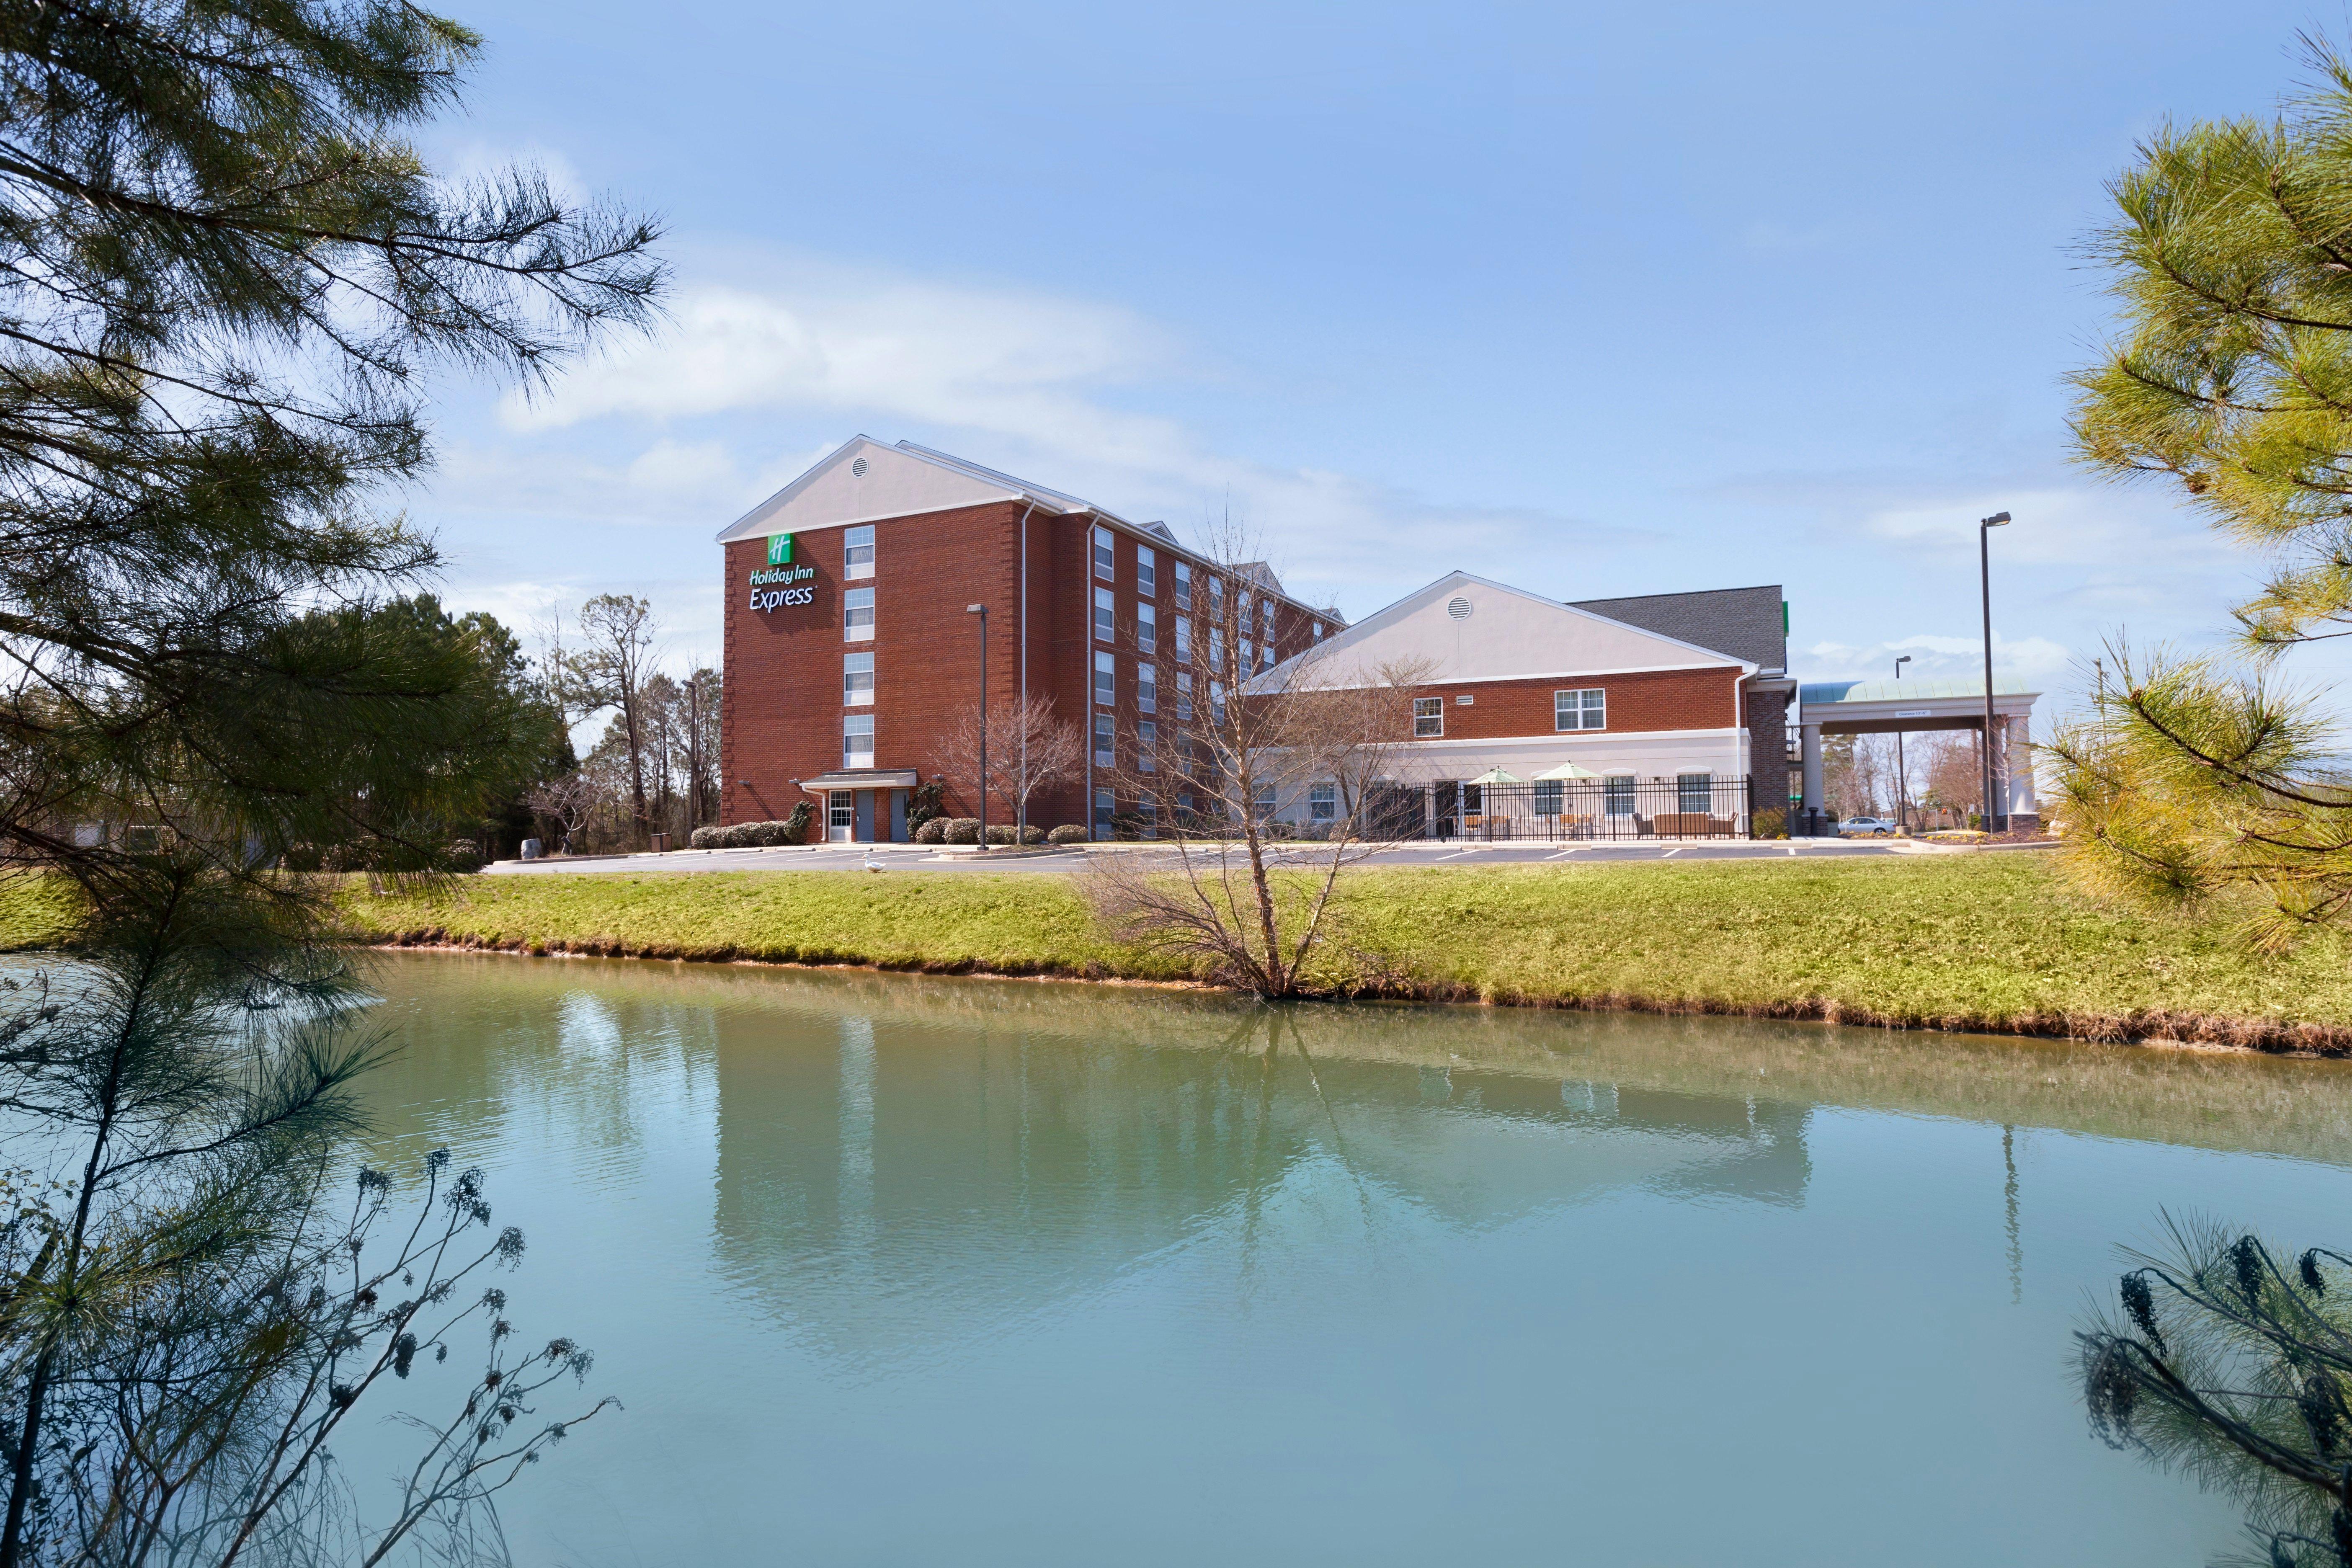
x=872, y=864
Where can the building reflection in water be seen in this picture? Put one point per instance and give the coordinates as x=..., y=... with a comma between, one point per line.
x=887, y=1183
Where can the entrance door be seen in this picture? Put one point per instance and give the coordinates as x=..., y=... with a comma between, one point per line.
x=866, y=816
x=839, y=817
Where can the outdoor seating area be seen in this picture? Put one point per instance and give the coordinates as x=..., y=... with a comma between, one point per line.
x=1573, y=804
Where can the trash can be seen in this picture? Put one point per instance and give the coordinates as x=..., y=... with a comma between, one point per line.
x=661, y=843
x=530, y=849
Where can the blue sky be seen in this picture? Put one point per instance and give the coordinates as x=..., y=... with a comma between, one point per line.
x=1594, y=300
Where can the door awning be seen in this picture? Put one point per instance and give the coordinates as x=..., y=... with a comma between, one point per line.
x=863, y=778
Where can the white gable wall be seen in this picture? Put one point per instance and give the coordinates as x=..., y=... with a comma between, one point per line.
x=894, y=484
x=1507, y=636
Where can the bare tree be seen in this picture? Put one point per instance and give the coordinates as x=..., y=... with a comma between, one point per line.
x=619, y=633
x=1265, y=779
x=568, y=801
x=1029, y=749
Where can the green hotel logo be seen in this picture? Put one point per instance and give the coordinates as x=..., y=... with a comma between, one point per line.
x=780, y=550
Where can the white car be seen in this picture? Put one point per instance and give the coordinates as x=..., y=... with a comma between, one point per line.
x=1863, y=826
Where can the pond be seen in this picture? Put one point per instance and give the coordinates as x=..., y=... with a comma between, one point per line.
x=891, y=1271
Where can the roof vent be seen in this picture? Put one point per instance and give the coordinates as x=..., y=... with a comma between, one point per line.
x=1458, y=607
x=859, y=468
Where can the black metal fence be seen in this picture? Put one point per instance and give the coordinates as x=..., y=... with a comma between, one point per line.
x=1698, y=806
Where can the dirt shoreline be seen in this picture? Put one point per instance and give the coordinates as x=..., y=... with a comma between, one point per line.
x=2156, y=1030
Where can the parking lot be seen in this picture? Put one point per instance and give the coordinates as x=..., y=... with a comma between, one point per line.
x=1452, y=854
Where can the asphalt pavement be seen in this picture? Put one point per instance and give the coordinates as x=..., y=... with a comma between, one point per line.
x=1076, y=858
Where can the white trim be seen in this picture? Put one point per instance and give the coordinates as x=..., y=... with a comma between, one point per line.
x=1602, y=738
x=876, y=517
x=1551, y=674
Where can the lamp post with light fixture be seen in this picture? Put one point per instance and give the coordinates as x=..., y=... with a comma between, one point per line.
x=1902, y=777
x=982, y=611
x=1984, y=571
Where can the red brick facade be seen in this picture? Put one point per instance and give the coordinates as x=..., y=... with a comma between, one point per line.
x=783, y=704
x=1637, y=703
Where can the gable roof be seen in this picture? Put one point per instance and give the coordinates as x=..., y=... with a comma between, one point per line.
x=1501, y=633
x=896, y=481
x=1747, y=622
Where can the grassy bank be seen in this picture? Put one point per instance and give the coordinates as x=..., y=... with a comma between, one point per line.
x=1991, y=942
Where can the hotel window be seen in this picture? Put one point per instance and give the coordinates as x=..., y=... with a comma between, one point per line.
x=857, y=616
x=1265, y=657
x=1147, y=571
x=1147, y=745
x=1217, y=596
x=1106, y=679
x=1106, y=565
x=857, y=740
x=1217, y=701
x=1183, y=641
x=1105, y=753
x=1694, y=793
x=1216, y=649
x=856, y=680
x=1587, y=709
x=1547, y=797
x=1617, y=794
x=1323, y=803
x=1147, y=688
x=1318, y=631
x=1266, y=618
x=1183, y=585
x=1106, y=806
x=1249, y=656
x=840, y=815
x=1146, y=629
x=1147, y=816
x=857, y=553
x=1428, y=718
x=1105, y=629
x=1265, y=801
x=1184, y=696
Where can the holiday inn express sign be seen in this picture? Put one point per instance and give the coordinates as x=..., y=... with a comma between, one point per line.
x=770, y=588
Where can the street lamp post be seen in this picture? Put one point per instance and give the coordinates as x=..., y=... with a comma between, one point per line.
x=982, y=611
x=1901, y=776
x=1984, y=571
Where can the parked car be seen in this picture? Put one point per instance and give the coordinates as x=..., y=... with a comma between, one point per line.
x=1865, y=827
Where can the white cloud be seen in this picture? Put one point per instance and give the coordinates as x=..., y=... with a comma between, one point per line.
x=2038, y=660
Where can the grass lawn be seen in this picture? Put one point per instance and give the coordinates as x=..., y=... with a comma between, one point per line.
x=1995, y=943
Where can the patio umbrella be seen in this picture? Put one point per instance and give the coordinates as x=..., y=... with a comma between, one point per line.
x=1493, y=776
x=1568, y=771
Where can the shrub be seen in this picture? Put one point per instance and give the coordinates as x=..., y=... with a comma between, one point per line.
x=963, y=830
x=796, y=824
x=1068, y=833
x=1771, y=824
x=1002, y=833
x=923, y=808
x=463, y=856
x=930, y=831
x=742, y=835
x=705, y=838
x=301, y=857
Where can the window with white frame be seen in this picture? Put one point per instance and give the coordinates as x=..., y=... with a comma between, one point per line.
x=857, y=616
x=1318, y=631
x=1217, y=701
x=1183, y=585
x=1587, y=708
x=856, y=680
x=1106, y=813
x=857, y=551
x=1249, y=656
x=1265, y=657
x=1323, y=803
x=1428, y=718
x=1694, y=793
x=1146, y=629
x=1183, y=641
x=1184, y=695
x=1617, y=794
x=857, y=740
x=1147, y=816
x=1217, y=647
x=1106, y=745
x=1106, y=625
x=1106, y=562
x=1547, y=793
x=840, y=815
x=1265, y=801
x=1266, y=619
x=1147, y=571
x=1106, y=678
x=1147, y=747
x=1216, y=596
x=1147, y=688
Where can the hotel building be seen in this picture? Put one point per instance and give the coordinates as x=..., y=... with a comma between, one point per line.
x=852, y=652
